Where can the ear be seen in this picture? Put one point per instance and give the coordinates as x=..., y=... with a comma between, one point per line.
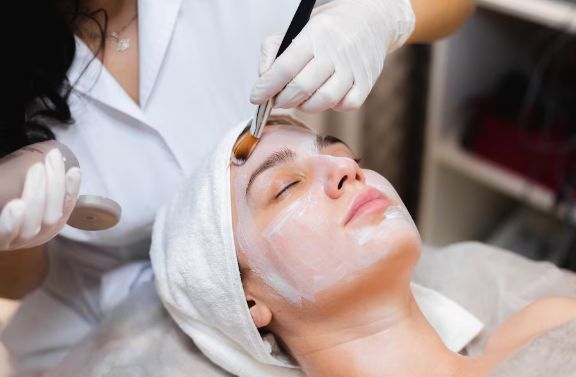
x=260, y=312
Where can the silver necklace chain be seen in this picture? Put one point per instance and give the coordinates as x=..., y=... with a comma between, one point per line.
x=122, y=44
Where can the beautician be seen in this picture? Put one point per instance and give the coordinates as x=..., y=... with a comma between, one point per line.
x=140, y=91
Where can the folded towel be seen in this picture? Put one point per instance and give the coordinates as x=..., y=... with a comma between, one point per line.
x=198, y=278
x=455, y=325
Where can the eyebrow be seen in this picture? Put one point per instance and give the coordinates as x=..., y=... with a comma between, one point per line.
x=277, y=158
x=325, y=141
x=286, y=155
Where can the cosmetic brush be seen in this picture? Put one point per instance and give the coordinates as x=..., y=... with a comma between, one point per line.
x=247, y=142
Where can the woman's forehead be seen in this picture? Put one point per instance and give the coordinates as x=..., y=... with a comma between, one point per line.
x=281, y=137
x=284, y=134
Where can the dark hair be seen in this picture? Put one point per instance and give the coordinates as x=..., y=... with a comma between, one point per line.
x=47, y=44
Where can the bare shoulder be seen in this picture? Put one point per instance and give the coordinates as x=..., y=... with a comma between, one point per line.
x=531, y=322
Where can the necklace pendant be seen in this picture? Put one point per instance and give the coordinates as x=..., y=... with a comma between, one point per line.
x=122, y=44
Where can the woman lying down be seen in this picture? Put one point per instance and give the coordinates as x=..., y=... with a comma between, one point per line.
x=321, y=254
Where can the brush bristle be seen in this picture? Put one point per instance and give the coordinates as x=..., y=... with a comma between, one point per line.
x=243, y=148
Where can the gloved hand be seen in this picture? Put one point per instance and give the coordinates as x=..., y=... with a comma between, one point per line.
x=336, y=59
x=47, y=201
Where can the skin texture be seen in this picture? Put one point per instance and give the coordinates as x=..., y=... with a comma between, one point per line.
x=367, y=322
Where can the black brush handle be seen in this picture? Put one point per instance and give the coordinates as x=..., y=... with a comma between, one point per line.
x=298, y=22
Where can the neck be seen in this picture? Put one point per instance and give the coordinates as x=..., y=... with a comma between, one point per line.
x=400, y=343
x=118, y=13
x=114, y=8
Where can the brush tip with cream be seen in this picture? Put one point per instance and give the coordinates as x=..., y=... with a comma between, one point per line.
x=243, y=148
x=248, y=140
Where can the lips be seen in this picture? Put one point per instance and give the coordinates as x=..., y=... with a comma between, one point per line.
x=368, y=201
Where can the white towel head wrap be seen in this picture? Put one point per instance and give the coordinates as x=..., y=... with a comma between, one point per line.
x=198, y=277
x=197, y=272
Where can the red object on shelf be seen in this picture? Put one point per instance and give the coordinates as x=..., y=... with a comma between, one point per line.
x=539, y=156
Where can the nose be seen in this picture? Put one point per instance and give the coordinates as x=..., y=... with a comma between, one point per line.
x=343, y=171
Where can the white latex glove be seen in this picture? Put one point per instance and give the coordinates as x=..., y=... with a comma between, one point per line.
x=336, y=59
x=47, y=200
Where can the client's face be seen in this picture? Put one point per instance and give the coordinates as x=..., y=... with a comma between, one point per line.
x=310, y=223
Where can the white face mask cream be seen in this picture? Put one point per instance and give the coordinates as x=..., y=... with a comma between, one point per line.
x=90, y=213
x=311, y=244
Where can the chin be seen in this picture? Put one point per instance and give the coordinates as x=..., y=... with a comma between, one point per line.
x=394, y=236
x=409, y=248
x=391, y=271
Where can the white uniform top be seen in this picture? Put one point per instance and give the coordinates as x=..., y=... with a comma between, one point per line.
x=198, y=61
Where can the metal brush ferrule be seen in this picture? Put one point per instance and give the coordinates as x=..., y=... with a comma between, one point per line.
x=260, y=118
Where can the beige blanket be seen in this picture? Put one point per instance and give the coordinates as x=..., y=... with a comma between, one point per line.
x=140, y=340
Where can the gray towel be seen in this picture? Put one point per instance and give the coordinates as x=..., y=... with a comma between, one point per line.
x=550, y=355
x=491, y=283
x=140, y=339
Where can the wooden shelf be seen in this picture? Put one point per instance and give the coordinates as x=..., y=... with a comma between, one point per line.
x=558, y=14
x=498, y=178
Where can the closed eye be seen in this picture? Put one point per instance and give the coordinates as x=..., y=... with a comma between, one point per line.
x=286, y=188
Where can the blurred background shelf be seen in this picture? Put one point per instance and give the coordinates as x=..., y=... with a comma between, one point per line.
x=501, y=179
x=462, y=195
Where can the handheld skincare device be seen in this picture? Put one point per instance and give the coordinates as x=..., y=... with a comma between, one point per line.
x=90, y=213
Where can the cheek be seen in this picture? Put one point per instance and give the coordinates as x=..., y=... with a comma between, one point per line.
x=290, y=252
x=378, y=181
x=302, y=253
x=404, y=235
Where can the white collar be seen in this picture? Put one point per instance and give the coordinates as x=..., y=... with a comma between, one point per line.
x=456, y=326
x=88, y=76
